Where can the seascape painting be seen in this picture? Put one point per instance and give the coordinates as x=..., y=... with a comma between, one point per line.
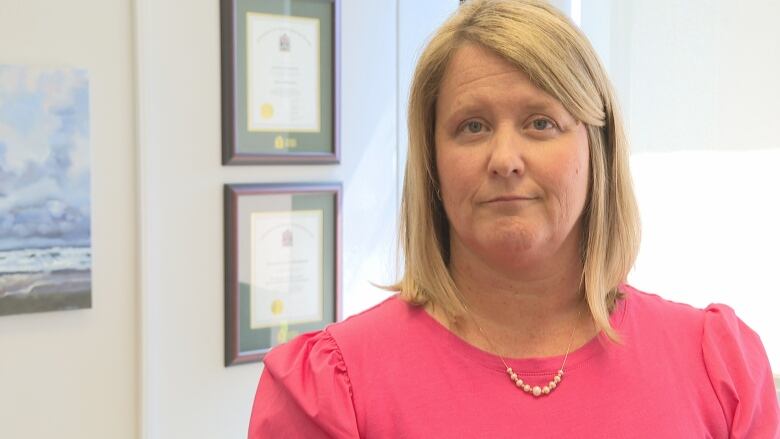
x=45, y=227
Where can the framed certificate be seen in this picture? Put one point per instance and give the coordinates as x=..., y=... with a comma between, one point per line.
x=282, y=264
x=280, y=79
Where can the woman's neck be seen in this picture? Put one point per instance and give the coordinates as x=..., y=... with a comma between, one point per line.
x=523, y=313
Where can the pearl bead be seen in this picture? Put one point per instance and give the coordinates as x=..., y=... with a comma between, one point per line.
x=553, y=384
x=546, y=390
x=537, y=390
x=514, y=377
x=519, y=383
x=509, y=370
x=527, y=388
x=557, y=379
x=560, y=372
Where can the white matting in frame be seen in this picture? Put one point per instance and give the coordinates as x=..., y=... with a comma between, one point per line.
x=286, y=268
x=283, y=73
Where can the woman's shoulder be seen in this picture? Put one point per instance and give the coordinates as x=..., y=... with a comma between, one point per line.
x=654, y=302
x=382, y=327
x=384, y=324
x=654, y=321
x=646, y=307
x=304, y=391
x=716, y=341
x=714, y=318
x=365, y=326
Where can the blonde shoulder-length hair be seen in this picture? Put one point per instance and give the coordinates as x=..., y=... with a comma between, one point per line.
x=558, y=58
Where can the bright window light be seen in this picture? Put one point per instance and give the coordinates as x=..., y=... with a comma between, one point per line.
x=576, y=12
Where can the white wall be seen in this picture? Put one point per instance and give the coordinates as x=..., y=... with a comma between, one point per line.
x=698, y=83
x=73, y=374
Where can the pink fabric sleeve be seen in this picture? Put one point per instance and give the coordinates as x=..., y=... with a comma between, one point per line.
x=739, y=371
x=304, y=392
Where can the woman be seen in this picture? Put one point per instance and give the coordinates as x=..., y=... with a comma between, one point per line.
x=519, y=226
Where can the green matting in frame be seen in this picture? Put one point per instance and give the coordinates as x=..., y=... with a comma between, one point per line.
x=282, y=264
x=280, y=81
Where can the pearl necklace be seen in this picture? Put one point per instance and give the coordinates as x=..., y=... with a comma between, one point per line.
x=519, y=383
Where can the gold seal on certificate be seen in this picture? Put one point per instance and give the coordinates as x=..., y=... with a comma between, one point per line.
x=286, y=261
x=266, y=111
x=283, y=73
x=277, y=306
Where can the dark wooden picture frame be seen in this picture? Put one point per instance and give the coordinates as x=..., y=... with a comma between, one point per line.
x=240, y=146
x=245, y=205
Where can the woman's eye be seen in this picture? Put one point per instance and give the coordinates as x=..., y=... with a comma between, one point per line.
x=474, y=126
x=542, y=124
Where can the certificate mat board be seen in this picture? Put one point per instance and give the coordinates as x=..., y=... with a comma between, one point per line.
x=280, y=81
x=282, y=265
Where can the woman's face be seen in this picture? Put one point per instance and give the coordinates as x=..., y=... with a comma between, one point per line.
x=512, y=164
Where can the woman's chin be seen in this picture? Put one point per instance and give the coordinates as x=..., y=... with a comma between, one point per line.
x=514, y=245
x=510, y=250
x=512, y=239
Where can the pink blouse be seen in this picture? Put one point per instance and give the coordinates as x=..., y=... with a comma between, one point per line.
x=395, y=372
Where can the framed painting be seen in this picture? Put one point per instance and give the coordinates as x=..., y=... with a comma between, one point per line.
x=45, y=190
x=280, y=81
x=282, y=264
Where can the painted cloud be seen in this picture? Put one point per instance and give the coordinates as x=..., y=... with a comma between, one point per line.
x=44, y=158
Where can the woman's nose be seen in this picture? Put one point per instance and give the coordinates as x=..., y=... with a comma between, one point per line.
x=506, y=154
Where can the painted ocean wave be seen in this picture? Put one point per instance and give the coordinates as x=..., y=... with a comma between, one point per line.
x=37, y=260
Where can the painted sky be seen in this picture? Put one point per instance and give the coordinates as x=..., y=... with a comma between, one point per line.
x=44, y=157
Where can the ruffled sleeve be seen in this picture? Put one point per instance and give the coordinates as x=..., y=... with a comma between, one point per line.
x=304, y=392
x=739, y=371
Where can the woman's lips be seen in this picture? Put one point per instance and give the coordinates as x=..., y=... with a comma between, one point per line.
x=509, y=198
